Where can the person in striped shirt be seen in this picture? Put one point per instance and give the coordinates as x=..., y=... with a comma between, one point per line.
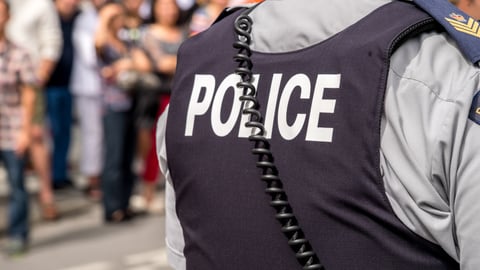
x=17, y=96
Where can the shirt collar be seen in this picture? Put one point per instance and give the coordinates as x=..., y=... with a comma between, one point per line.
x=462, y=28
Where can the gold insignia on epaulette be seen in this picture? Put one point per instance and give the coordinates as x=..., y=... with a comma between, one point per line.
x=458, y=17
x=469, y=27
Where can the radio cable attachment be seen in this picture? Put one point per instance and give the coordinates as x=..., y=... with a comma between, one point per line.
x=270, y=175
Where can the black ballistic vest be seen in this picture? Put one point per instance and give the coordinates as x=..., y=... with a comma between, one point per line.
x=335, y=187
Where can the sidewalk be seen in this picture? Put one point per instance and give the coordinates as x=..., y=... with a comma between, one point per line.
x=69, y=202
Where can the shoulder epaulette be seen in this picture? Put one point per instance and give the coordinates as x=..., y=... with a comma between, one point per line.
x=464, y=29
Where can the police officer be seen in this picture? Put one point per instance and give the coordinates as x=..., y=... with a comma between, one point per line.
x=368, y=112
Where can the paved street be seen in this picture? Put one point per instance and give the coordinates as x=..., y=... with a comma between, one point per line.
x=81, y=241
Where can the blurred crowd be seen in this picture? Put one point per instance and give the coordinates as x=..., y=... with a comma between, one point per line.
x=108, y=65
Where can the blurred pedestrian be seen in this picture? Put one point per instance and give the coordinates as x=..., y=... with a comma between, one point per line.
x=17, y=97
x=132, y=35
x=34, y=24
x=116, y=60
x=206, y=14
x=134, y=26
x=86, y=87
x=59, y=97
x=161, y=42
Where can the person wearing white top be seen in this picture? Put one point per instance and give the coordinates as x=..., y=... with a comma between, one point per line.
x=86, y=87
x=34, y=24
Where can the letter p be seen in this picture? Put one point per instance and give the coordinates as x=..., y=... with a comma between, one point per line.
x=197, y=106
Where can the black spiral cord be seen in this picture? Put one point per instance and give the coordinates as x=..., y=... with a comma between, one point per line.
x=279, y=201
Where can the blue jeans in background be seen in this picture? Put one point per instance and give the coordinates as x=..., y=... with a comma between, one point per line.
x=18, y=203
x=117, y=177
x=59, y=113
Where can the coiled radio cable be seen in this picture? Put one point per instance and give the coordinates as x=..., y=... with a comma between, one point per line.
x=279, y=201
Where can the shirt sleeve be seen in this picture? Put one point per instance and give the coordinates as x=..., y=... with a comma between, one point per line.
x=463, y=167
x=83, y=40
x=49, y=33
x=26, y=70
x=429, y=146
x=174, y=234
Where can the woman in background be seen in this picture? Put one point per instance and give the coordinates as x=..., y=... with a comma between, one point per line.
x=118, y=122
x=161, y=42
x=86, y=87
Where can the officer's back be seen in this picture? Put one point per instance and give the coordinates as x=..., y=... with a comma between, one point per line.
x=347, y=166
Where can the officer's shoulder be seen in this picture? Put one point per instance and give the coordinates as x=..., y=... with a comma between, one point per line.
x=435, y=61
